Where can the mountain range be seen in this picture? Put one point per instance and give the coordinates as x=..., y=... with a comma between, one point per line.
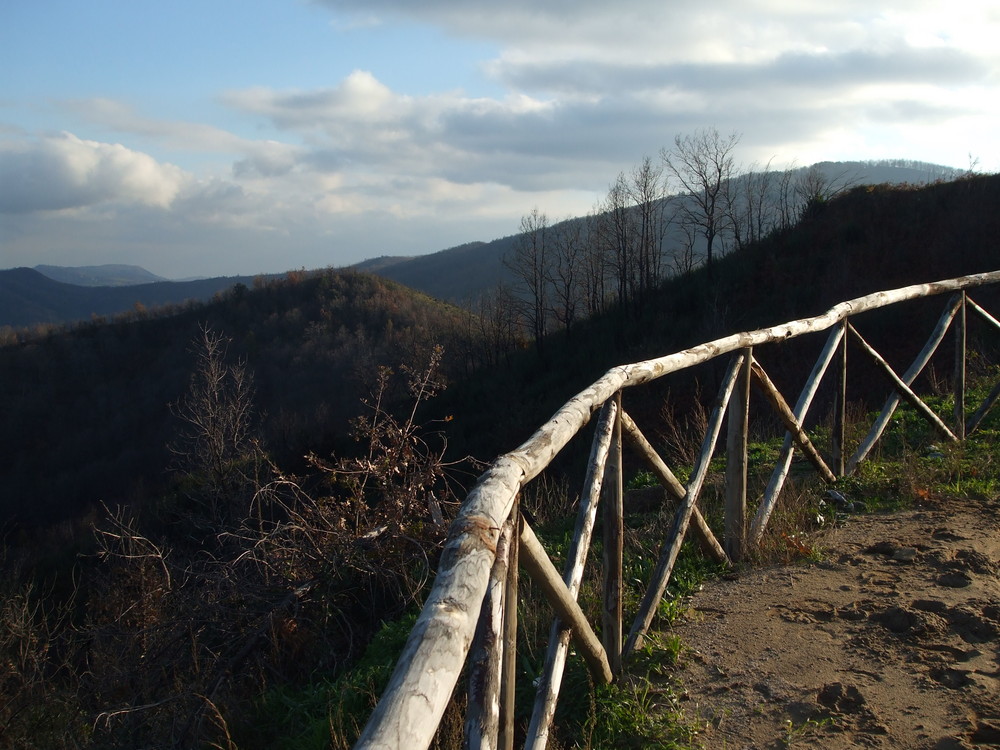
x=461, y=274
x=112, y=274
x=29, y=297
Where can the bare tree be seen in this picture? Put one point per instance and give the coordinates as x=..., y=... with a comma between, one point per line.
x=647, y=192
x=750, y=208
x=530, y=262
x=217, y=441
x=685, y=258
x=702, y=163
x=615, y=234
x=498, y=319
x=816, y=186
x=595, y=264
x=566, y=272
x=785, y=201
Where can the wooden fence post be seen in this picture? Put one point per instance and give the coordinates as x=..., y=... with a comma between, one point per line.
x=682, y=518
x=508, y=667
x=736, y=463
x=614, y=532
x=482, y=719
x=959, y=376
x=840, y=407
x=550, y=681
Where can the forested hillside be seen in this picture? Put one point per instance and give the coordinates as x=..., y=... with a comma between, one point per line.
x=284, y=493
x=867, y=239
x=88, y=415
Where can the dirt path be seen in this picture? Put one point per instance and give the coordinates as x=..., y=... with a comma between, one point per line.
x=892, y=641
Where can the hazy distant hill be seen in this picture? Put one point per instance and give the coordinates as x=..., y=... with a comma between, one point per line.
x=114, y=274
x=28, y=297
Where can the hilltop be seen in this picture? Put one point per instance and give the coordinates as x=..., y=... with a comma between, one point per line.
x=462, y=275
x=91, y=418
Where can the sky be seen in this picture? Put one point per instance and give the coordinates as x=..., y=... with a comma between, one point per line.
x=224, y=137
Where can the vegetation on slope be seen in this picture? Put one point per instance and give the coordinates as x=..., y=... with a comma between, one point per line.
x=225, y=604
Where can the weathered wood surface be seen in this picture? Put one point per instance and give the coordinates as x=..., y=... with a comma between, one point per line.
x=921, y=360
x=670, y=482
x=840, y=408
x=536, y=562
x=983, y=313
x=614, y=547
x=904, y=390
x=736, y=462
x=422, y=683
x=791, y=422
x=508, y=667
x=547, y=694
x=983, y=410
x=784, y=462
x=482, y=719
x=672, y=547
x=958, y=373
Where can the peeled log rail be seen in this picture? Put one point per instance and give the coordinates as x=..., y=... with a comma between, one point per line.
x=670, y=482
x=555, y=657
x=791, y=422
x=903, y=389
x=540, y=568
x=432, y=659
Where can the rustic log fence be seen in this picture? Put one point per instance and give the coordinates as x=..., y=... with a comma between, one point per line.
x=473, y=603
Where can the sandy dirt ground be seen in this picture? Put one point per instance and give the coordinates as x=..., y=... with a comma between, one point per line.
x=892, y=640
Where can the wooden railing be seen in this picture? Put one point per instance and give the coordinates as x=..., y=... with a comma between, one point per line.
x=473, y=603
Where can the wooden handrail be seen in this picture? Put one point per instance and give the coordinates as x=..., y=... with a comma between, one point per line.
x=425, y=675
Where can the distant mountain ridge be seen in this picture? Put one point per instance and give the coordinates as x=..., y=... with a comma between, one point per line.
x=463, y=273
x=28, y=297
x=111, y=274
x=458, y=274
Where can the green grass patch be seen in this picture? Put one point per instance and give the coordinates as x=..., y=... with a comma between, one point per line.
x=328, y=713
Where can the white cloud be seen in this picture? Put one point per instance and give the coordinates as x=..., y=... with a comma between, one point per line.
x=577, y=91
x=62, y=171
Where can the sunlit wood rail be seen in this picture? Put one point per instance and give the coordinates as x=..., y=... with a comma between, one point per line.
x=472, y=604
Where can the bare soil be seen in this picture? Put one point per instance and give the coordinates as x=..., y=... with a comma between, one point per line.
x=891, y=640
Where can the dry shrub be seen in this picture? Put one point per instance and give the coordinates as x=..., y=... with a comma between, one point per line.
x=683, y=428
x=786, y=538
x=38, y=705
x=266, y=586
